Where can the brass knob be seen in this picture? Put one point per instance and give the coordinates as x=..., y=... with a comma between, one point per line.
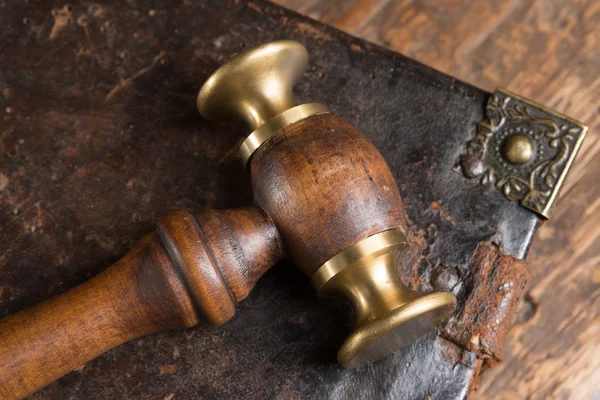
x=388, y=315
x=256, y=87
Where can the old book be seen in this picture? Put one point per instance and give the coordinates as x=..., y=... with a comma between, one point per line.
x=101, y=135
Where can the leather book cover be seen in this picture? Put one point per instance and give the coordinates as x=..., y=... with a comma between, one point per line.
x=100, y=135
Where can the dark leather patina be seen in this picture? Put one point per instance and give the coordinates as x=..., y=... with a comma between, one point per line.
x=100, y=135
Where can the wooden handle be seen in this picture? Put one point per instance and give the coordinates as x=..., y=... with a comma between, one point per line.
x=139, y=294
x=186, y=271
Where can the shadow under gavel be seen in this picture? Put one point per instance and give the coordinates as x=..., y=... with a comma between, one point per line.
x=324, y=197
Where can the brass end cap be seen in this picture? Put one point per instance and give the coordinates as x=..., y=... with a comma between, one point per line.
x=256, y=87
x=385, y=335
x=388, y=315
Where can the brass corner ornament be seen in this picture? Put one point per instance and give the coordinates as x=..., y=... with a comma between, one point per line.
x=523, y=149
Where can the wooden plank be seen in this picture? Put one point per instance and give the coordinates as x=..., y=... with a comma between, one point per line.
x=550, y=52
x=349, y=16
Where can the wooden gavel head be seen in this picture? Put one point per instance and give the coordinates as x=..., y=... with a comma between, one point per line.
x=330, y=195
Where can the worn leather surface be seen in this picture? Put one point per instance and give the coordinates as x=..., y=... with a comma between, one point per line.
x=99, y=135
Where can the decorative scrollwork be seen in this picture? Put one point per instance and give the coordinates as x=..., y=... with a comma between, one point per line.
x=522, y=149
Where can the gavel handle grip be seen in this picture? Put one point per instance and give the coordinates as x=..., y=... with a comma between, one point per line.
x=144, y=292
x=43, y=343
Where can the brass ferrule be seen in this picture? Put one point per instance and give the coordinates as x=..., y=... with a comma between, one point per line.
x=360, y=254
x=276, y=124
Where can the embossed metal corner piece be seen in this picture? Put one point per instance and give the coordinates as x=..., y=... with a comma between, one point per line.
x=523, y=149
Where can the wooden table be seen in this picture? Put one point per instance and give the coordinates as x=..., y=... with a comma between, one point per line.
x=551, y=54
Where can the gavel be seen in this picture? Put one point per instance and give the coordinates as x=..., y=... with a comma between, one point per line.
x=324, y=198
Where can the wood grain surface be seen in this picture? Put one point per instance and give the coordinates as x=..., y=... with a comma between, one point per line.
x=300, y=178
x=187, y=271
x=548, y=51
